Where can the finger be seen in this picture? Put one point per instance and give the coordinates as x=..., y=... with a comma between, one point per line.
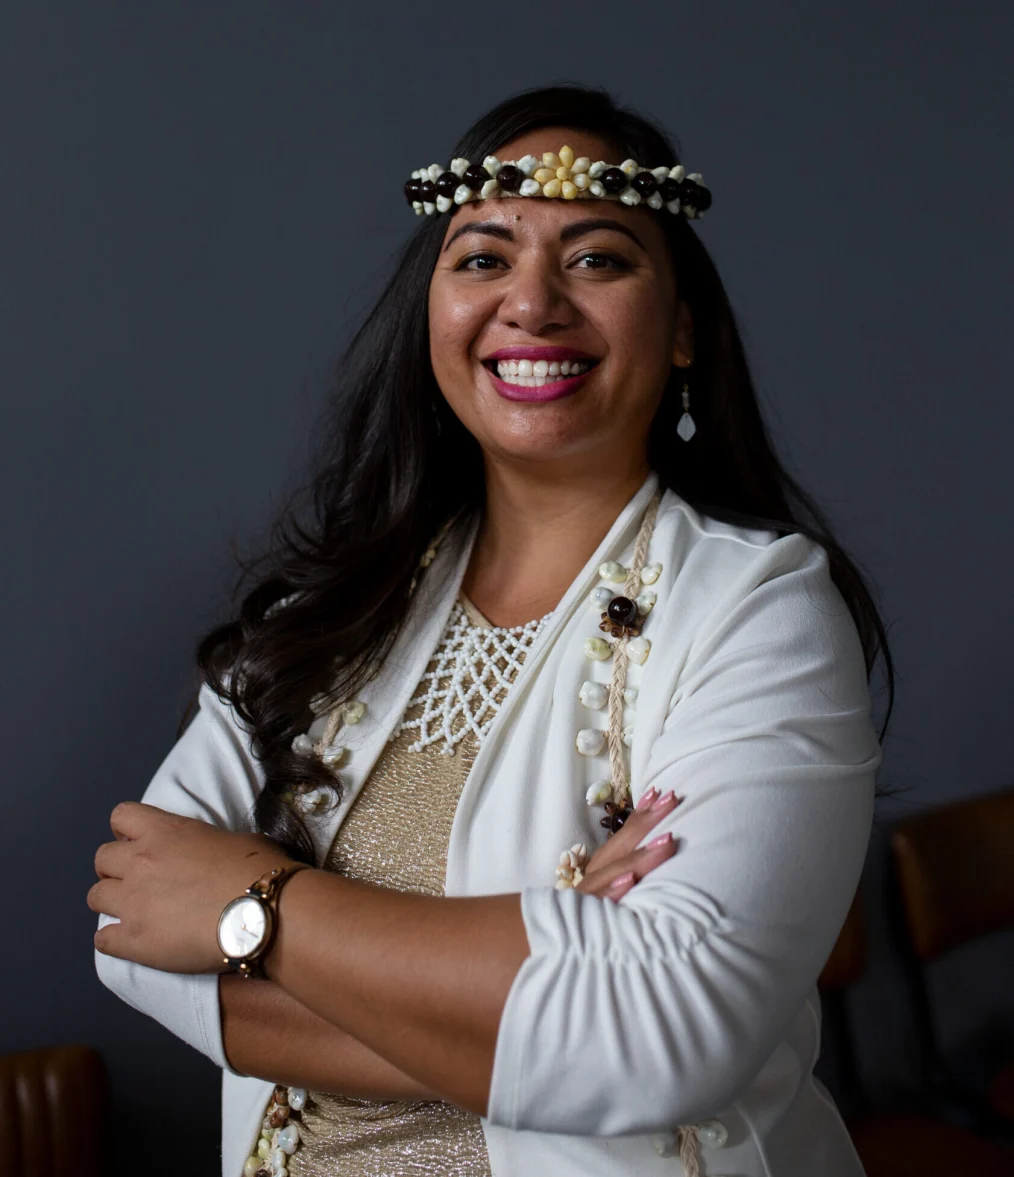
x=109, y=940
x=104, y=897
x=651, y=809
x=130, y=819
x=619, y=886
x=111, y=859
x=637, y=864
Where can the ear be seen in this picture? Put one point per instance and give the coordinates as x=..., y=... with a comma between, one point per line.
x=683, y=347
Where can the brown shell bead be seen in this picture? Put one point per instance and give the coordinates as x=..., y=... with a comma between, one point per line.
x=279, y=1115
x=613, y=180
x=510, y=177
x=281, y=1096
x=616, y=815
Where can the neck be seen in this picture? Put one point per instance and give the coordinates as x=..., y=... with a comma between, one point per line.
x=537, y=532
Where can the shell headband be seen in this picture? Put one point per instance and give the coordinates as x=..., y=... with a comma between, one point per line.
x=557, y=174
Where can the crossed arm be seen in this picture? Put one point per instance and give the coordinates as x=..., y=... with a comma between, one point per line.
x=371, y=991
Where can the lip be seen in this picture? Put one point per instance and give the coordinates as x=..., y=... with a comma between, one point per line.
x=550, y=391
x=524, y=352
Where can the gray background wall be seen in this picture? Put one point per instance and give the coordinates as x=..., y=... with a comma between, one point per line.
x=187, y=240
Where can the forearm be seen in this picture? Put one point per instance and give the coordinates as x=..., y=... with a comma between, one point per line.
x=420, y=980
x=269, y=1034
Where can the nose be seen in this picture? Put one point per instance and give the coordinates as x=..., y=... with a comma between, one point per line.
x=535, y=299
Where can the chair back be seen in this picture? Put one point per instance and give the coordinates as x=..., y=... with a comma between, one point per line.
x=54, y=1111
x=954, y=872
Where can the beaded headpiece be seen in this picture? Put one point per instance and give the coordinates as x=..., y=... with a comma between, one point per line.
x=557, y=174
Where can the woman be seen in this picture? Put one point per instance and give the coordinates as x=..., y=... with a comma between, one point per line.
x=562, y=709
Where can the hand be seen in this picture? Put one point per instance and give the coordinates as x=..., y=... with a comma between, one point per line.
x=618, y=864
x=166, y=879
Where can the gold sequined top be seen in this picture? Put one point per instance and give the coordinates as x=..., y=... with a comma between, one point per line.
x=396, y=835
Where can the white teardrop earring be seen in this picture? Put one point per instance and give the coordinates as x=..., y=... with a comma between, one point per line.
x=686, y=427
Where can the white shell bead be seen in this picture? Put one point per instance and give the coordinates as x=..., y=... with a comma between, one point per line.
x=638, y=650
x=435, y=172
x=650, y=573
x=598, y=649
x=654, y=200
x=302, y=745
x=263, y=1148
x=678, y=172
x=429, y=208
x=528, y=164
x=491, y=164
x=288, y=1138
x=333, y=755
x=646, y=600
x=673, y=206
x=444, y=203
x=581, y=181
x=630, y=696
x=353, y=712
x=530, y=187
x=612, y=571
x=712, y=1134
x=597, y=168
x=599, y=793
x=488, y=189
x=297, y=1096
x=278, y=1166
x=251, y=1166
x=630, y=196
x=660, y=174
x=581, y=164
x=593, y=694
x=462, y=194
x=628, y=734
x=590, y=741
x=601, y=596
x=459, y=165
x=630, y=167
x=312, y=800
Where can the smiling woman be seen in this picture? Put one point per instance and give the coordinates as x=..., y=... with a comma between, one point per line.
x=541, y=742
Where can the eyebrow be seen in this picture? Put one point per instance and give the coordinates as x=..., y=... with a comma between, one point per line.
x=574, y=229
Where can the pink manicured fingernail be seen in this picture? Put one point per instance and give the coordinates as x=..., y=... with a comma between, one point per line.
x=661, y=840
x=663, y=800
x=622, y=881
x=647, y=798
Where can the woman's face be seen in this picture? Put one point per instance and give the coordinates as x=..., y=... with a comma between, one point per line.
x=532, y=274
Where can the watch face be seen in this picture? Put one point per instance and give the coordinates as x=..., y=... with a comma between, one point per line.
x=242, y=927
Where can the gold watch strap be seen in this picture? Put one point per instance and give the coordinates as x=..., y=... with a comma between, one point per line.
x=266, y=888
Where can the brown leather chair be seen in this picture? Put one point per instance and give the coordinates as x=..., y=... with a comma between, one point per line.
x=953, y=873
x=54, y=1113
x=892, y=1145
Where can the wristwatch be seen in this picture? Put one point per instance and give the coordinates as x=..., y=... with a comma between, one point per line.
x=247, y=925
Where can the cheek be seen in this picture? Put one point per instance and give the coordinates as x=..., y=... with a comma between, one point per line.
x=455, y=320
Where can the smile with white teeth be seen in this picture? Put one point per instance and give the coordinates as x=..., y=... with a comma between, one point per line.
x=533, y=373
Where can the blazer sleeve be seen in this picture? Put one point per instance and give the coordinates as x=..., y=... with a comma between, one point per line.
x=211, y=775
x=658, y=1010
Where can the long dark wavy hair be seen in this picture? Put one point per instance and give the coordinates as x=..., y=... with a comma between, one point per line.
x=393, y=463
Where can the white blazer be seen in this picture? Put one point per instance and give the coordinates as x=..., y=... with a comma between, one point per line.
x=694, y=998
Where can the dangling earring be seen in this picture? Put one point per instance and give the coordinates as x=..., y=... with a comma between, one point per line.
x=686, y=427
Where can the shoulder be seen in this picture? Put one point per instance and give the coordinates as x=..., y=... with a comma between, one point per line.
x=716, y=561
x=725, y=590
